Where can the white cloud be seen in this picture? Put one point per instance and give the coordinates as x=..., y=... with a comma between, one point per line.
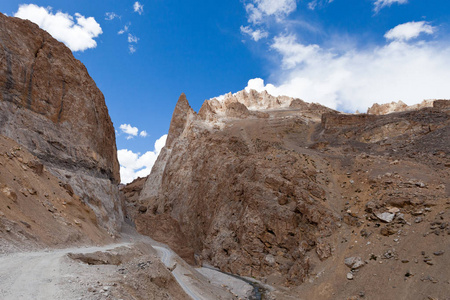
x=407, y=31
x=124, y=29
x=132, y=49
x=258, y=85
x=379, y=4
x=318, y=3
x=138, y=7
x=134, y=165
x=109, y=16
x=312, y=5
x=78, y=36
x=129, y=130
x=256, y=35
x=143, y=133
x=355, y=79
x=294, y=53
x=258, y=9
x=132, y=38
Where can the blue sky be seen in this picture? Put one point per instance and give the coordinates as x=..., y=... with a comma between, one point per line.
x=346, y=54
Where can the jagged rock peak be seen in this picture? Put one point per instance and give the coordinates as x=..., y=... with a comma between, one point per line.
x=251, y=103
x=387, y=108
x=253, y=100
x=180, y=117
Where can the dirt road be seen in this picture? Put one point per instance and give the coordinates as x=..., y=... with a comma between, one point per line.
x=39, y=275
x=50, y=274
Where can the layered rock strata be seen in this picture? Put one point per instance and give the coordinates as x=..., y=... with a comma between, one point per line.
x=50, y=105
x=39, y=210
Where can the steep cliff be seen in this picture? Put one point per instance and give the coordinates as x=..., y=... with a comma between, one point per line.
x=240, y=199
x=285, y=190
x=51, y=106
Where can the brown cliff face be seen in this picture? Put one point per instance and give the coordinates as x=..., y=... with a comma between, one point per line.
x=180, y=119
x=50, y=104
x=242, y=201
x=285, y=194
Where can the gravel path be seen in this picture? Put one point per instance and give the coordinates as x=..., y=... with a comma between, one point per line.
x=50, y=274
x=166, y=256
x=39, y=275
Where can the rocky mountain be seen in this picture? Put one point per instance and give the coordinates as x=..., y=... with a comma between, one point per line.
x=298, y=195
x=59, y=190
x=310, y=202
x=383, y=109
x=51, y=106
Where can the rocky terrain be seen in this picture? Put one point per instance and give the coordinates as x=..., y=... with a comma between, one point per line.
x=34, y=203
x=51, y=106
x=302, y=201
x=383, y=109
x=59, y=189
x=306, y=199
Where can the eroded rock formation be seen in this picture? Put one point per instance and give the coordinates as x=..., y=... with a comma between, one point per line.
x=242, y=200
x=387, y=108
x=274, y=190
x=50, y=105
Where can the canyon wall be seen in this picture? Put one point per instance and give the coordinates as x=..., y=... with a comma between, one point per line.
x=51, y=106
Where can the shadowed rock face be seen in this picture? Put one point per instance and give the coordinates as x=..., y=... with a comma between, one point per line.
x=51, y=105
x=274, y=192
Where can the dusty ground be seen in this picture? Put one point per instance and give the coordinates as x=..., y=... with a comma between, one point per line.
x=135, y=268
x=49, y=274
x=38, y=210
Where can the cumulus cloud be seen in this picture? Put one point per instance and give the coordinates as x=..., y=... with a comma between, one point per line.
x=134, y=165
x=410, y=30
x=78, y=35
x=132, y=48
x=138, y=7
x=129, y=130
x=109, y=16
x=258, y=9
x=354, y=79
x=259, y=12
x=256, y=35
x=379, y=4
x=143, y=133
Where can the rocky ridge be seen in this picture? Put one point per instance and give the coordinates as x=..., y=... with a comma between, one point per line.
x=383, y=109
x=51, y=106
x=283, y=192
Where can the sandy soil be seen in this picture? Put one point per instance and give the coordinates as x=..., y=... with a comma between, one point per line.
x=37, y=210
